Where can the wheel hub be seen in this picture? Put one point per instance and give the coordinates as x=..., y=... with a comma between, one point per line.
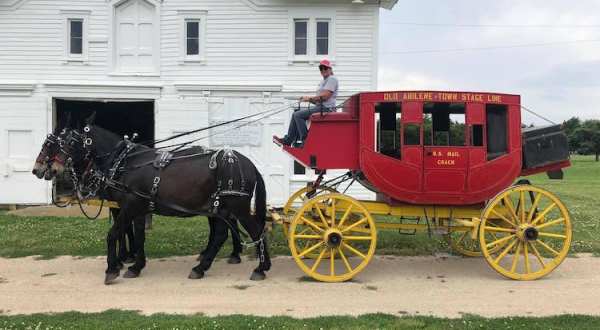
x=333, y=238
x=528, y=233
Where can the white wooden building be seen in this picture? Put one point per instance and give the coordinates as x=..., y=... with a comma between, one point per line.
x=168, y=66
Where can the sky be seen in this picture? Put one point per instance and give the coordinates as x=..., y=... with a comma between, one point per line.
x=428, y=44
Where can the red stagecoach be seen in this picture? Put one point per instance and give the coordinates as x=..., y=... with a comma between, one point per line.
x=440, y=161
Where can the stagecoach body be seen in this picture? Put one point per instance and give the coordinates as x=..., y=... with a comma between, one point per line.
x=443, y=161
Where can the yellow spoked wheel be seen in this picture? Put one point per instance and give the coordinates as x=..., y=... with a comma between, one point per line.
x=297, y=200
x=462, y=242
x=342, y=235
x=533, y=227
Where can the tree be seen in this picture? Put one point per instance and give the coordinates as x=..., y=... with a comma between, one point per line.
x=570, y=126
x=588, y=136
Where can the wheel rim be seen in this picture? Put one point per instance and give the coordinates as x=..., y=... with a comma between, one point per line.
x=342, y=236
x=534, y=228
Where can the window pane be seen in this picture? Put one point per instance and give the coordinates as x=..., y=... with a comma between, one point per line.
x=300, y=37
x=322, y=29
x=477, y=135
x=76, y=46
x=300, y=29
x=322, y=46
x=76, y=29
x=193, y=29
x=193, y=47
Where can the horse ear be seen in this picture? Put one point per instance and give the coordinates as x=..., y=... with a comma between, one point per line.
x=91, y=119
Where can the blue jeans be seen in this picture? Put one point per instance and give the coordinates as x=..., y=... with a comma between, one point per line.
x=297, y=130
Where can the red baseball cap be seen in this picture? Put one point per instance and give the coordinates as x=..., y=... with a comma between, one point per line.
x=325, y=62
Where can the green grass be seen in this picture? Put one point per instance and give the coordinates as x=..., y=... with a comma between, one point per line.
x=50, y=237
x=131, y=320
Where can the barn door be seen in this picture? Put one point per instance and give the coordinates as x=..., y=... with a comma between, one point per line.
x=254, y=140
x=135, y=36
x=22, y=130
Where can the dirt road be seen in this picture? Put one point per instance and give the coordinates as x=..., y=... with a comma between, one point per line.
x=442, y=286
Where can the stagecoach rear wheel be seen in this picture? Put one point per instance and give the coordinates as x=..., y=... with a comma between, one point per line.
x=342, y=235
x=297, y=200
x=535, y=233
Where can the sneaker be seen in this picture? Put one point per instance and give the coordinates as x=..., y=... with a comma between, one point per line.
x=298, y=144
x=285, y=141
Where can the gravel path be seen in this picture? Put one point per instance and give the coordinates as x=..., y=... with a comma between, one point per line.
x=440, y=286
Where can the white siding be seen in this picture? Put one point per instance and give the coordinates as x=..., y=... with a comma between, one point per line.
x=246, y=58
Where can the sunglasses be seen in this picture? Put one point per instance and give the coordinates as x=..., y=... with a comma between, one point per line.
x=323, y=68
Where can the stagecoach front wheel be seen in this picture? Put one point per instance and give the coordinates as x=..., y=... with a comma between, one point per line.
x=339, y=230
x=533, y=227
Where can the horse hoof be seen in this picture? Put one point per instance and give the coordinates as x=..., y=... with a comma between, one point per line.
x=129, y=260
x=234, y=260
x=258, y=276
x=194, y=275
x=131, y=274
x=110, y=278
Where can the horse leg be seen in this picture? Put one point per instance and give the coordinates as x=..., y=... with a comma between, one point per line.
x=134, y=270
x=234, y=257
x=130, y=252
x=211, y=237
x=220, y=236
x=122, y=244
x=255, y=230
x=112, y=259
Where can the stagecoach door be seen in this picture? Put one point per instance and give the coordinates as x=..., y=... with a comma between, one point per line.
x=445, y=151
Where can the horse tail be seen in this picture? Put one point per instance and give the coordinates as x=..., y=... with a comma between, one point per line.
x=260, y=199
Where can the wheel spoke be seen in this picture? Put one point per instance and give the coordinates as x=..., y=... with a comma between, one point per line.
x=332, y=262
x=515, y=259
x=552, y=235
x=358, y=238
x=543, y=214
x=345, y=260
x=309, y=250
x=508, y=203
x=537, y=254
x=522, y=205
x=502, y=240
x=526, y=255
x=312, y=224
x=354, y=225
x=345, y=216
x=551, y=223
x=308, y=236
x=503, y=218
x=318, y=261
x=536, y=201
x=547, y=247
x=333, y=213
x=505, y=251
x=504, y=230
x=353, y=250
x=462, y=237
x=321, y=216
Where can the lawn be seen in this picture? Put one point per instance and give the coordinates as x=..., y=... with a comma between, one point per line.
x=131, y=320
x=49, y=237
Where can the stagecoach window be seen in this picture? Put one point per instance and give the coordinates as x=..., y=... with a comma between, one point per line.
x=444, y=124
x=497, y=130
x=477, y=135
x=300, y=36
x=322, y=37
x=412, y=134
x=387, y=128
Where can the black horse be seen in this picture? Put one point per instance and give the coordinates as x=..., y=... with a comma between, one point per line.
x=193, y=183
